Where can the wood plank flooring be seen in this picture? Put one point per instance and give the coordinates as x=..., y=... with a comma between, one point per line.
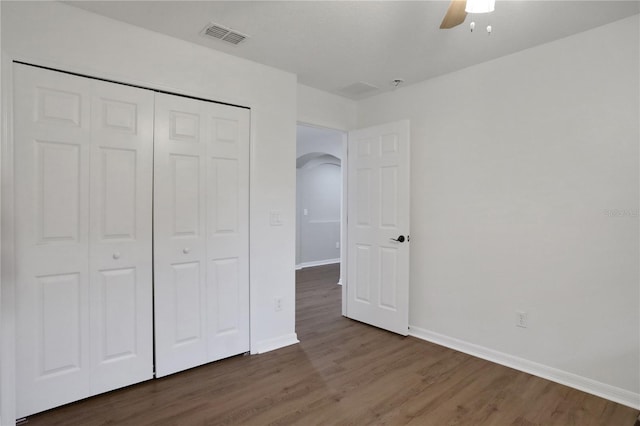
x=344, y=373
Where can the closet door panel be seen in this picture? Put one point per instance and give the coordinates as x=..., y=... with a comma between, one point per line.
x=179, y=235
x=228, y=230
x=83, y=182
x=121, y=236
x=201, y=234
x=52, y=155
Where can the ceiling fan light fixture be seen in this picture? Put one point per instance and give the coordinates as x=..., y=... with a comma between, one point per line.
x=480, y=6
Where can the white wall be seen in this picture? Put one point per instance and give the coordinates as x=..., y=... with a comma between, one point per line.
x=319, y=191
x=64, y=37
x=319, y=194
x=325, y=109
x=516, y=166
x=313, y=139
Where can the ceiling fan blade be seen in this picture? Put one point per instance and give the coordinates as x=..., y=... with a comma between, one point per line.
x=455, y=14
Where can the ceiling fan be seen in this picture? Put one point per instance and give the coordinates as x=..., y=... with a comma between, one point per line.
x=458, y=9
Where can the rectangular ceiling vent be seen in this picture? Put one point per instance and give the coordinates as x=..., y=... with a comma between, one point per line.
x=358, y=89
x=223, y=33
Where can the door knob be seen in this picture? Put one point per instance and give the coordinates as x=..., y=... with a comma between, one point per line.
x=116, y=255
x=186, y=250
x=400, y=239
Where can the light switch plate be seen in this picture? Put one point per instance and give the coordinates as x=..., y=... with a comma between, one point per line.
x=275, y=218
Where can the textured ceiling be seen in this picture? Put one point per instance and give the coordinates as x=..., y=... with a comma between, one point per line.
x=332, y=45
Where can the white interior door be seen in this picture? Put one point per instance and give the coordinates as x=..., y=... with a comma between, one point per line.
x=201, y=234
x=82, y=179
x=378, y=226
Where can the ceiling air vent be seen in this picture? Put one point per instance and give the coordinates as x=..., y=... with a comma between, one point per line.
x=220, y=32
x=358, y=89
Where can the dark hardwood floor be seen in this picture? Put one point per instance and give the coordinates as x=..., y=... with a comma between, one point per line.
x=344, y=373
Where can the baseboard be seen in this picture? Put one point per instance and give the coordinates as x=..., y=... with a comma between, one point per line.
x=317, y=263
x=566, y=378
x=275, y=343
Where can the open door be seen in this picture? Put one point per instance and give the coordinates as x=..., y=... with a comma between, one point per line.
x=378, y=226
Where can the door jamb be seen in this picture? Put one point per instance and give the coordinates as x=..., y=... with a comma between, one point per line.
x=7, y=277
x=344, y=221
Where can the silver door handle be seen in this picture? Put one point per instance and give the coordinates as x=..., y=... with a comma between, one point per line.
x=116, y=255
x=186, y=250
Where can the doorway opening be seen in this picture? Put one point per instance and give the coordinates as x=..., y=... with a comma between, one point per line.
x=318, y=196
x=319, y=200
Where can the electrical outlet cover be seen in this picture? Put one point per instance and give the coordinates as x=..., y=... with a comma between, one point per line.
x=521, y=319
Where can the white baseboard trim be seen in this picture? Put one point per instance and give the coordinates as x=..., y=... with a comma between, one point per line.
x=275, y=343
x=566, y=378
x=317, y=263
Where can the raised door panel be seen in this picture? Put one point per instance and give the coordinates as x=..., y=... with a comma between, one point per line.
x=389, y=197
x=185, y=188
x=118, y=339
x=180, y=293
x=363, y=201
x=184, y=126
x=59, y=348
x=52, y=151
x=118, y=194
x=223, y=289
x=362, y=281
x=388, y=264
x=185, y=307
x=121, y=235
x=59, y=107
x=58, y=187
x=224, y=196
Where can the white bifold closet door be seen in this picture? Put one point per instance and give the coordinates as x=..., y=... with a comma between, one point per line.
x=83, y=200
x=201, y=232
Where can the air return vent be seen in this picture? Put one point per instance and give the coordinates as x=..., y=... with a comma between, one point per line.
x=223, y=33
x=358, y=89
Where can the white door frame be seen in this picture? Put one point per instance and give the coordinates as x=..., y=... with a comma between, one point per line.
x=7, y=277
x=343, y=222
x=344, y=265
x=7, y=259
